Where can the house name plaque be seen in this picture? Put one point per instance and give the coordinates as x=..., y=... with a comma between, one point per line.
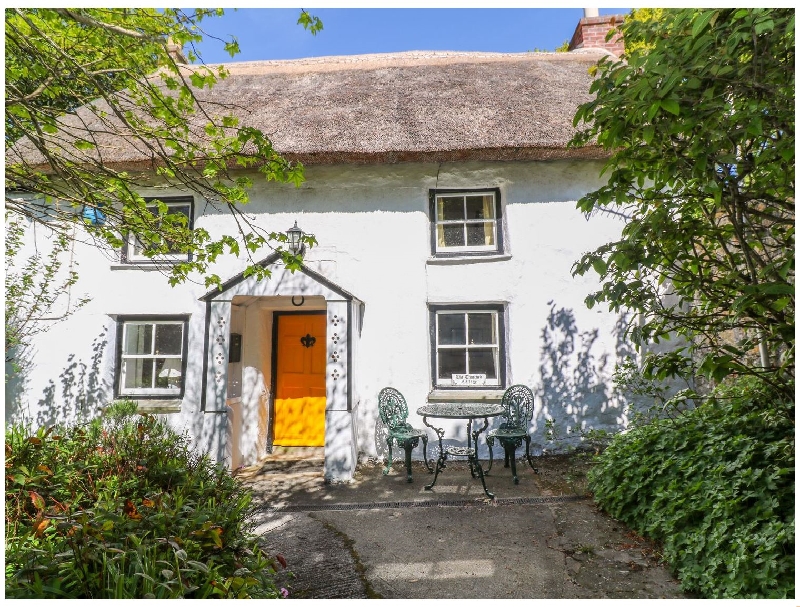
x=469, y=379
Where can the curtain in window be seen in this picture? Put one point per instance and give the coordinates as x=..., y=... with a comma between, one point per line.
x=488, y=228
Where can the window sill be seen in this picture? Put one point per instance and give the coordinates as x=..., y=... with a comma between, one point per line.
x=477, y=395
x=157, y=406
x=467, y=259
x=153, y=266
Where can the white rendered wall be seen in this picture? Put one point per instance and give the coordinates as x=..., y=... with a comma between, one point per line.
x=373, y=230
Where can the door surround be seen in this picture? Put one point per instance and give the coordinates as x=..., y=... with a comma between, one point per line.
x=342, y=309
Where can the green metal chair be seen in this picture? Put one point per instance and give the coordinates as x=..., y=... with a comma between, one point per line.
x=518, y=411
x=394, y=413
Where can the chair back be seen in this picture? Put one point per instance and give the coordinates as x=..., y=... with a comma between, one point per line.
x=392, y=407
x=517, y=406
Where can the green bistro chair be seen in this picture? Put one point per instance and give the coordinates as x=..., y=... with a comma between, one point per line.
x=517, y=406
x=394, y=413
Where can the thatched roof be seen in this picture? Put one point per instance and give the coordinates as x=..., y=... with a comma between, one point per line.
x=412, y=106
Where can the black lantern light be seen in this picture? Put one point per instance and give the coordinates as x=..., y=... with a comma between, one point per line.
x=295, y=235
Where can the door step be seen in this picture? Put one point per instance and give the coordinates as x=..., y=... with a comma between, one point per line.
x=283, y=460
x=296, y=453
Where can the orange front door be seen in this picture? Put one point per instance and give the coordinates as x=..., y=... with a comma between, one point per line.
x=300, y=380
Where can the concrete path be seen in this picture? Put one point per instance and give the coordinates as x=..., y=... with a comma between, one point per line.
x=381, y=537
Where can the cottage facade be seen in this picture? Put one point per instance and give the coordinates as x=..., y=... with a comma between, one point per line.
x=442, y=194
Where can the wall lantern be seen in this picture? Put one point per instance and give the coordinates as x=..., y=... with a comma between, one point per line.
x=295, y=235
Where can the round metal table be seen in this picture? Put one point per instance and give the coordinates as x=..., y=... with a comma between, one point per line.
x=468, y=411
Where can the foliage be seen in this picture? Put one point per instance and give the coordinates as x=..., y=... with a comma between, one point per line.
x=122, y=509
x=716, y=486
x=73, y=75
x=699, y=119
x=591, y=439
x=648, y=399
x=639, y=42
x=33, y=288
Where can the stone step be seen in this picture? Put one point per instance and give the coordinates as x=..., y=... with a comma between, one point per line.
x=286, y=459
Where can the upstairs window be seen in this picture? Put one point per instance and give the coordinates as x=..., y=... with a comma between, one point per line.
x=152, y=359
x=467, y=346
x=134, y=251
x=466, y=222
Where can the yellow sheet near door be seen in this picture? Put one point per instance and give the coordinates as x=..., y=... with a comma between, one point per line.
x=300, y=381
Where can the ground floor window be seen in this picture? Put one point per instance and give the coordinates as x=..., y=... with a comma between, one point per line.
x=467, y=346
x=151, y=356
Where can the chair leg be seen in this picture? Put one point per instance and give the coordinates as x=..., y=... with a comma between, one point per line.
x=409, y=445
x=389, y=462
x=490, y=444
x=528, y=453
x=511, y=456
x=505, y=464
x=425, y=454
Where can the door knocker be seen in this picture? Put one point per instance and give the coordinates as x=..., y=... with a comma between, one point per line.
x=308, y=340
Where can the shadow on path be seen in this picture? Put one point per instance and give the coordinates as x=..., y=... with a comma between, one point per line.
x=382, y=537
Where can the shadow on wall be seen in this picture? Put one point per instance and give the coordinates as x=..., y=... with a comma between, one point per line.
x=576, y=395
x=17, y=382
x=80, y=394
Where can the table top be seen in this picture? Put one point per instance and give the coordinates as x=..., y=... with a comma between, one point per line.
x=460, y=410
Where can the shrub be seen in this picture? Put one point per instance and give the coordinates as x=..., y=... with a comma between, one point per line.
x=121, y=508
x=716, y=487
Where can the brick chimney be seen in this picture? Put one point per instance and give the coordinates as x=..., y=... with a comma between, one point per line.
x=175, y=51
x=591, y=33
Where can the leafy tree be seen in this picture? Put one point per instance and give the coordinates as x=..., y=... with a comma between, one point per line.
x=74, y=74
x=699, y=117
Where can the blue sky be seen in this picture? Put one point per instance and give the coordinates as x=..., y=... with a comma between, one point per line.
x=273, y=33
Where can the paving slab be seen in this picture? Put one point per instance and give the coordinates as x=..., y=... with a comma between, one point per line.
x=382, y=537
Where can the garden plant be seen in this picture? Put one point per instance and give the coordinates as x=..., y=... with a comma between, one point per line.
x=698, y=119
x=714, y=485
x=122, y=508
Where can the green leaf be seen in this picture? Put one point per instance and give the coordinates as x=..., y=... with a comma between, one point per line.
x=701, y=22
x=764, y=26
x=599, y=265
x=671, y=106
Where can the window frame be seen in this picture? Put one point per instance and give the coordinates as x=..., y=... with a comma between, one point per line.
x=499, y=310
x=150, y=393
x=466, y=250
x=127, y=253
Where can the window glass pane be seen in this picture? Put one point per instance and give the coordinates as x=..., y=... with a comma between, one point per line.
x=183, y=209
x=138, y=339
x=481, y=329
x=451, y=235
x=138, y=249
x=452, y=329
x=168, y=373
x=180, y=209
x=450, y=207
x=480, y=234
x=481, y=360
x=138, y=373
x=480, y=207
x=452, y=361
x=169, y=339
